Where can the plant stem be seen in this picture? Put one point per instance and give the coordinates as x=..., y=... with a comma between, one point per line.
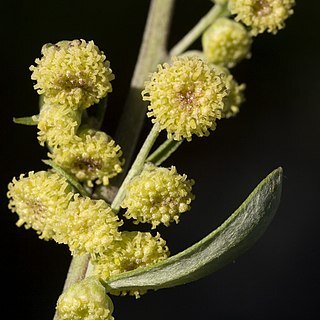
x=216, y=12
x=152, y=51
x=137, y=166
x=77, y=271
x=164, y=151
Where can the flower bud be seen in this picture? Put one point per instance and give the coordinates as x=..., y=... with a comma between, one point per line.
x=235, y=97
x=39, y=199
x=58, y=125
x=134, y=250
x=74, y=74
x=92, y=156
x=262, y=15
x=85, y=300
x=186, y=97
x=226, y=42
x=88, y=226
x=158, y=195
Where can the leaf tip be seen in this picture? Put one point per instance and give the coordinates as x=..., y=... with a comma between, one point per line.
x=277, y=174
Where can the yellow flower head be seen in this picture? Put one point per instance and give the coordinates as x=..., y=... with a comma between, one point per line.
x=136, y=249
x=38, y=199
x=235, y=97
x=226, y=42
x=58, y=125
x=87, y=226
x=85, y=300
x=93, y=157
x=158, y=195
x=262, y=15
x=74, y=73
x=185, y=97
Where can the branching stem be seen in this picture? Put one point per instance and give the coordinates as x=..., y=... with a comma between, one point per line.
x=137, y=166
x=216, y=12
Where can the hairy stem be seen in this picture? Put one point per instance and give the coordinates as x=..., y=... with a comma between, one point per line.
x=164, y=151
x=77, y=270
x=137, y=166
x=212, y=15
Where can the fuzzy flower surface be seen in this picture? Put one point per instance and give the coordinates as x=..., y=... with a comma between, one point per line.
x=186, y=97
x=88, y=226
x=38, y=199
x=136, y=249
x=158, y=196
x=85, y=300
x=72, y=73
x=94, y=156
x=262, y=15
x=58, y=125
x=235, y=98
x=226, y=42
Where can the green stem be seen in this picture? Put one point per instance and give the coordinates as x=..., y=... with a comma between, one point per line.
x=136, y=167
x=216, y=12
x=77, y=271
x=164, y=151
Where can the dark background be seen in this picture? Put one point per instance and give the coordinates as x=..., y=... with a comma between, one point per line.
x=278, y=126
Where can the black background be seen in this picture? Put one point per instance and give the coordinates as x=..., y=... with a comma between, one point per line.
x=278, y=126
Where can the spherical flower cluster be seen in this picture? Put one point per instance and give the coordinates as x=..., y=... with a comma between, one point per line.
x=85, y=300
x=136, y=249
x=72, y=73
x=58, y=125
x=235, y=97
x=262, y=15
x=226, y=42
x=158, y=195
x=88, y=226
x=186, y=97
x=93, y=157
x=39, y=199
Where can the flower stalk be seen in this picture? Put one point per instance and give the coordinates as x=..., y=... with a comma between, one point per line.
x=137, y=166
x=217, y=11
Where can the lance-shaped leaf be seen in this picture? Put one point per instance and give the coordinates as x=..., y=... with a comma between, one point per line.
x=28, y=121
x=239, y=232
x=70, y=178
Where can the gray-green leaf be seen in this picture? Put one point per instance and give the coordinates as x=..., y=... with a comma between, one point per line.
x=239, y=232
x=28, y=121
x=70, y=178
